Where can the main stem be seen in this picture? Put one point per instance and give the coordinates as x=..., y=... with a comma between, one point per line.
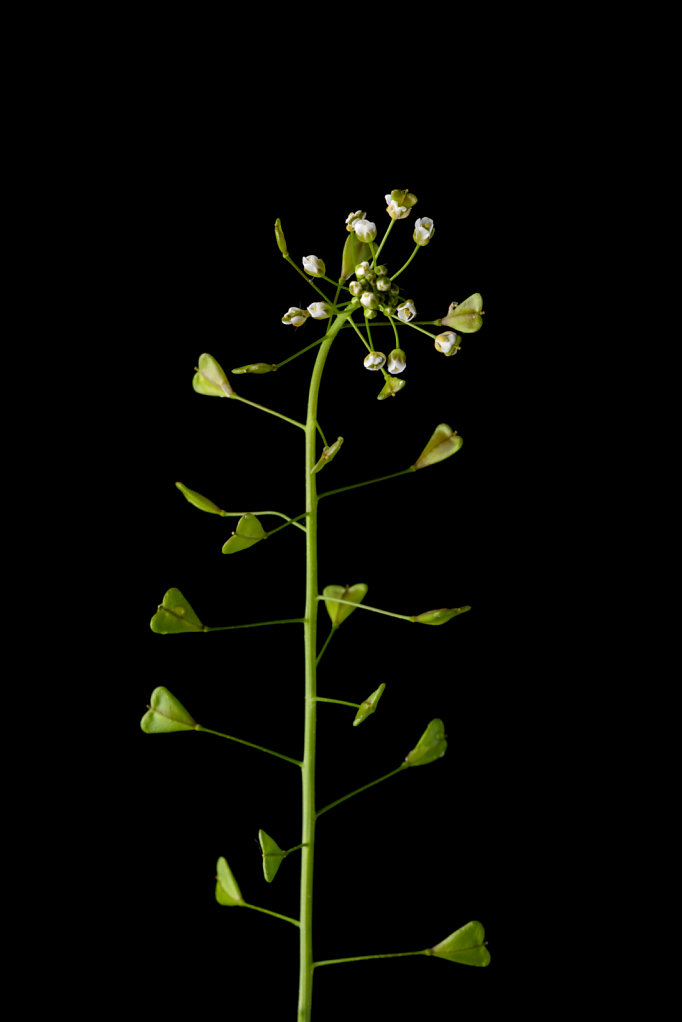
x=305, y=987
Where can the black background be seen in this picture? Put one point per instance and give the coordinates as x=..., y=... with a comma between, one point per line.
x=195, y=268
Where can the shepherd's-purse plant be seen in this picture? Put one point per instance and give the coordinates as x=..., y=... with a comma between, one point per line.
x=366, y=290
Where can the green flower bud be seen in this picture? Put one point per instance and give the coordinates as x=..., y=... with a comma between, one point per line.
x=255, y=367
x=279, y=235
x=356, y=288
x=383, y=284
x=370, y=313
x=361, y=269
x=381, y=270
x=369, y=300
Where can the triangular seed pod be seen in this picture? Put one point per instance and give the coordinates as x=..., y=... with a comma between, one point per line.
x=226, y=889
x=466, y=316
x=442, y=444
x=354, y=252
x=166, y=713
x=175, y=615
x=328, y=454
x=273, y=856
x=431, y=745
x=249, y=531
x=369, y=705
x=390, y=388
x=210, y=378
x=466, y=945
x=337, y=612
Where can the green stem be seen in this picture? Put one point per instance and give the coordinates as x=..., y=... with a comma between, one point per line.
x=326, y=643
x=376, y=610
x=278, y=365
x=270, y=411
x=414, y=327
x=305, y=991
x=341, y=702
x=368, y=482
x=364, y=958
x=359, y=333
x=255, y=624
x=269, y=912
x=241, y=741
x=364, y=787
x=383, y=242
x=416, y=249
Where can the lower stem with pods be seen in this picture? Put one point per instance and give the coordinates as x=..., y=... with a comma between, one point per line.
x=305, y=989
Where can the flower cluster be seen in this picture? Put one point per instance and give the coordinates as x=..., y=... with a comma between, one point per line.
x=373, y=290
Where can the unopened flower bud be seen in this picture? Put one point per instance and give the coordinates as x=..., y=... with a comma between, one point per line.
x=365, y=230
x=356, y=288
x=370, y=313
x=320, y=310
x=447, y=343
x=352, y=219
x=375, y=360
x=295, y=317
x=396, y=361
x=406, y=311
x=255, y=367
x=381, y=270
x=369, y=300
x=314, y=266
x=423, y=231
x=279, y=237
x=383, y=284
x=361, y=269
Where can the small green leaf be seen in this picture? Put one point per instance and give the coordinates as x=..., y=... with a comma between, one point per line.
x=255, y=367
x=444, y=442
x=249, y=531
x=175, y=615
x=466, y=316
x=210, y=378
x=328, y=454
x=439, y=617
x=337, y=612
x=226, y=890
x=369, y=705
x=198, y=500
x=466, y=945
x=166, y=713
x=354, y=252
x=390, y=388
x=273, y=856
x=431, y=745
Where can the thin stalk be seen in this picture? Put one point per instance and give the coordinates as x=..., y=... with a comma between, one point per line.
x=364, y=958
x=403, y=766
x=375, y=610
x=341, y=702
x=305, y=991
x=269, y=912
x=270, y=411
x=252, y=745
x=405, y=265
x=367, y=482
x=255, y=624
x=326, y=641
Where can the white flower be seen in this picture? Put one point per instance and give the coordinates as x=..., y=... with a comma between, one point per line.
x=374, y=360
x=365, y=230
x=314, y=266
x=320, y=310
x=295, y=317
x=355, y=288
x=352, y=218
x=406, y=311
x=361, y=269
x=423, y=231
x=369, y=300
x=396, y=361
x=446, y=342
x=394, y=210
